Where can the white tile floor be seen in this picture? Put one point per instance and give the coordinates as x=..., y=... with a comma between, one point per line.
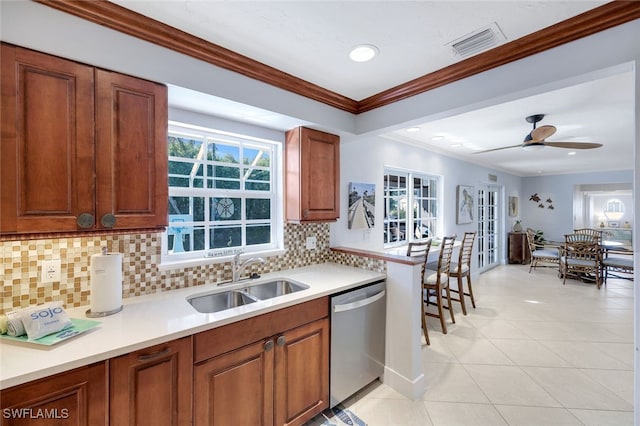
x=533, y=352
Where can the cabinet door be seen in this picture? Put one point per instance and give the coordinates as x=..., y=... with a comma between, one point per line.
x=46, y=152
x=152, y=386
x=131, y=152
x=302, y=373
x=236, y=388
x=77, y=397
x=312, y=175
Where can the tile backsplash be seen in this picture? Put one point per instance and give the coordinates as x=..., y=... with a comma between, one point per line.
x=21, y=261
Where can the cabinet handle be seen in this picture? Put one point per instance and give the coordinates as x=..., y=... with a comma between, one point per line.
x=268, y=346
x=305, y=213
x=281, y=341
x=85, y=220
x=158, y=354
x=108, y=220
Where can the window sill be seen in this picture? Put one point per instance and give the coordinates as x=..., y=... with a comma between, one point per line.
x=182, y=264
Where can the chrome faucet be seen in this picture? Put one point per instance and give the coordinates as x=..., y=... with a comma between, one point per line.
x=237, y=267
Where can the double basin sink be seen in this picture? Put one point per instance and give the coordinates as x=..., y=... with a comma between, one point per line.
x=220, y=301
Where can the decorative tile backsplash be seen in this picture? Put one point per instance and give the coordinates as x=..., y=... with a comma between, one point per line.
x=20, y=265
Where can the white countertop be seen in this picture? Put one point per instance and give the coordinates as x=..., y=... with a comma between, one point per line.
x=157, y=318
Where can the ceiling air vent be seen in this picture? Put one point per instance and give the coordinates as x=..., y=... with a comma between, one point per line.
x=478, y=41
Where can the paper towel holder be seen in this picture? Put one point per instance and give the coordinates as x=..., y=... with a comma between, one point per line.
x=91, y=314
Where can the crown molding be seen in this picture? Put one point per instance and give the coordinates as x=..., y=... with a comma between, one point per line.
x=118, y=18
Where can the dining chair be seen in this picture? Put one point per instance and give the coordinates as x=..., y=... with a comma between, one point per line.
x=415, y=249
x=541, y=255
x=462, y=269
x=618, y=262
x=436, y=282
x=581, y=257
x=597, y=233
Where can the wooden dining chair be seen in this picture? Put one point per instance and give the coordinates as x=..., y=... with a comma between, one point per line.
x=541, y=256
x=597, y=233
x=580, y=257
x=415, y=249
x=462, y=269
x=436, y=282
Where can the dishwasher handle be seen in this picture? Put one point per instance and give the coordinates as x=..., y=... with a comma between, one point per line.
x=359, y=303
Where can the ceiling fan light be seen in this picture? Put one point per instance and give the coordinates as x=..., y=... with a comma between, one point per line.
x=533, y=147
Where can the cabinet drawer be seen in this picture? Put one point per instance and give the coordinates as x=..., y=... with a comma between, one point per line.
x=224, y=339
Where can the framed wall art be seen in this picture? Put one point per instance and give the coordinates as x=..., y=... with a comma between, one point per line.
x=513, y=206
x=362, y=203
x=464, y=204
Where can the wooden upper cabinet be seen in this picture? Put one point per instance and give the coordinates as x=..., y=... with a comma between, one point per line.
x=131, y=156
x=47, y=149
x=312, y=175
x=82, y=149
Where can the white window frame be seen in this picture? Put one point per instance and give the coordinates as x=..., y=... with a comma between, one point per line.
x=409, y=220
x=275, y=194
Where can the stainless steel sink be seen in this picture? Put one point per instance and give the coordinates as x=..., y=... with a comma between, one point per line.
x=216, y=302
x=273, y=289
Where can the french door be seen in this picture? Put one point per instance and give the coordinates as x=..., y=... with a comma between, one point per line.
x=490, y=237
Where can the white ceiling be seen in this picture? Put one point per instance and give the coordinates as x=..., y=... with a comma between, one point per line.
x=311, y=40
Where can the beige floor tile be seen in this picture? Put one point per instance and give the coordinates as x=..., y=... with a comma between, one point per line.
x=451, y=382
x=604, y=418
x=437, y=351
x=537, y=416
x=510, y=385
x=391, y=412
x=574, y=389
x=619, y=382
x=529, y=352
x=498, y=329
x=463, y=414
x=476, y=351
x=592, y=355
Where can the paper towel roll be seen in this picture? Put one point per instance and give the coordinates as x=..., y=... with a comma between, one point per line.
x=106, y=283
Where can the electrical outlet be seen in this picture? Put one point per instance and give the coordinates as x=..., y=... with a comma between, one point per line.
x=311, y=242
x=50, y=272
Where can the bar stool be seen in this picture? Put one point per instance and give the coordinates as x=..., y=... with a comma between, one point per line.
x=436, y=282
x=416, y=249
x=463, y=269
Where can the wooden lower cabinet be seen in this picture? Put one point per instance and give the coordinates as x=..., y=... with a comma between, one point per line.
x=518, y=248
x=280, y=379
x=77, y=397
x=301, y=373
x=152, y=386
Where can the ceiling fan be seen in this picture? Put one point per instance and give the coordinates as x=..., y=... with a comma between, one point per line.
x=536, y=139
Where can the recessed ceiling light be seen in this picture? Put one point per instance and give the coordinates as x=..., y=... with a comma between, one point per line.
x=571, y=153
x=456, y=145
x=363, y=53
x=437, y=138
x=413, y=129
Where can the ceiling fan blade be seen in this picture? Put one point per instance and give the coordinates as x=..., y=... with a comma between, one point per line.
x=498, y=149
x=542, y=132
x=574, y=145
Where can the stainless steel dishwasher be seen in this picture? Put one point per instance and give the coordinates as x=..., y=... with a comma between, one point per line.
x=358, y=320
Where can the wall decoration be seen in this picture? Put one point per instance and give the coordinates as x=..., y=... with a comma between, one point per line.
x=535, y=198
x=362, y=201
x=513, y=206
x=613, y=224
x=464, y=205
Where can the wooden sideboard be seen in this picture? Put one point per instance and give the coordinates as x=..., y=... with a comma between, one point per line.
x=518, y=248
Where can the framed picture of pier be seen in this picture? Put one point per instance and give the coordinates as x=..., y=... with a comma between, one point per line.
x=362, y=202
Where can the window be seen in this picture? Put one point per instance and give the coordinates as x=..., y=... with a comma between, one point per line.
x=223, y=193
x=411, y=203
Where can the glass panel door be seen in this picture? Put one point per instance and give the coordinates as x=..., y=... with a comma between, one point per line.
x=489, y=235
